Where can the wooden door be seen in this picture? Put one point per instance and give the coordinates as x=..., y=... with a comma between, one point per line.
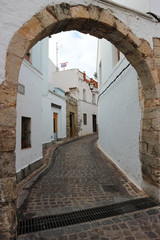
x=55, y=125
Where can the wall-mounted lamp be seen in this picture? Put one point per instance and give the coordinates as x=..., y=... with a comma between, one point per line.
x=91, y=86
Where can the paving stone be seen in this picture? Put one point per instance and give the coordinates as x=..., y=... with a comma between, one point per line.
x=75, y=182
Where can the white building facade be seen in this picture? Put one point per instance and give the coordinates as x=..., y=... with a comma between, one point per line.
x=29, y=120
x=119, y=111
x=41, y=112
x=77, y=84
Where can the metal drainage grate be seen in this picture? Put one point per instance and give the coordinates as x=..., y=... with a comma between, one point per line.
x=55, y=221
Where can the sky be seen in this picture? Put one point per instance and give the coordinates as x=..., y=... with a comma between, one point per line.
x=79, y=50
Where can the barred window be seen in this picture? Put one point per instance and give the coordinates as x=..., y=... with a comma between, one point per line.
x=84, y=95
x=26, y=133
x=84, y=118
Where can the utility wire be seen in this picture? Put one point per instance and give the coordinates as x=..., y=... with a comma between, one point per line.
x=113, y=81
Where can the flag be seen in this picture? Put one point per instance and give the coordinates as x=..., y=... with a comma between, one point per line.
x=63, y=64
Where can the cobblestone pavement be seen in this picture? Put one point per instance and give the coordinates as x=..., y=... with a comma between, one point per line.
x=143, y=225
x=80, y=177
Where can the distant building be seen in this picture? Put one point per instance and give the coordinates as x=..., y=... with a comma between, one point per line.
x=76, y=85
x=71, y=117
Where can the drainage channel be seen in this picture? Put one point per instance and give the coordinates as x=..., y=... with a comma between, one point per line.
x=37, y=224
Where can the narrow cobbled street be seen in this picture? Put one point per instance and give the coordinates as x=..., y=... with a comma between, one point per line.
x=80, y=177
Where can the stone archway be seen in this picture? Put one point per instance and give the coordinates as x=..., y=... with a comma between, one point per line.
x=101, y=24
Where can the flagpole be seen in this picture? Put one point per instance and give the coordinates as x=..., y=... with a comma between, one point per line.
x=57, y=56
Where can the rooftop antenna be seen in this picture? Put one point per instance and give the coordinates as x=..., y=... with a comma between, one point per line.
x=56, y=56
x=57, y=48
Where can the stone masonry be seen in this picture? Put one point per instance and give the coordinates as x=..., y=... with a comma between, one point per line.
x=72, y=107
x=100, y=23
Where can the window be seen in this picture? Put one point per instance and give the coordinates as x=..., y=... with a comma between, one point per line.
x=115, y=55
x=28, y=56
x=93, y=98
x=100, y=73
x=84, y=118
x=84, y=94
x=26, y=133
x=21, y=89
x=118, y=54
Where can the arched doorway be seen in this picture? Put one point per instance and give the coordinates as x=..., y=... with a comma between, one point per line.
x=101, y=24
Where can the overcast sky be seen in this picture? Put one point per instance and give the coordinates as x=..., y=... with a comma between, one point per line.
x=79, y=50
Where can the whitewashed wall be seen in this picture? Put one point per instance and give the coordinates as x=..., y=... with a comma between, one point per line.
x=36, y=104
x=65, y=79
x=89, y=109
x=29, y=105
x=47, y=117
x=106, y=57
x=39, y=58
x=119, y=114
x=141, y=6
x=155, y=6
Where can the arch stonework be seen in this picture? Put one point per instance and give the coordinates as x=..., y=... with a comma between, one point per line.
x=101, y=24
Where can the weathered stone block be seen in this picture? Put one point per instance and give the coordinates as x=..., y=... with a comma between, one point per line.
x=145, y=48
x=157, y=61
x=156, y=51
x=146, y=171
x=156, y=124
x=7, y=189
x=132, y=38
x=146, y=124
x=32, y=30
x=19, y=45
x=153, y=150
x=156, y=172
x=7, y=164
x=13, y=64
x=60, y=11
x=148, y=78
x=108, y=19
x=120, y=27
x=152, y=137
x=151, y=103
x=27, y=170
x=7, y=139
x=156, y=42
x=153, y=92
x=47, y=20
x=8, y=117
x=8, y=95
x=79, y=12
x=151, y=113
x=151, y=161
x=142, y=65
x=155, y=175
x=155, y=75
x=143, y=147
x=94, y=12
x=8, y=221
x=117, y=37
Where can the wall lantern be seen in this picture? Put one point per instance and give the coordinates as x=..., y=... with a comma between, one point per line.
x=91, y=86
